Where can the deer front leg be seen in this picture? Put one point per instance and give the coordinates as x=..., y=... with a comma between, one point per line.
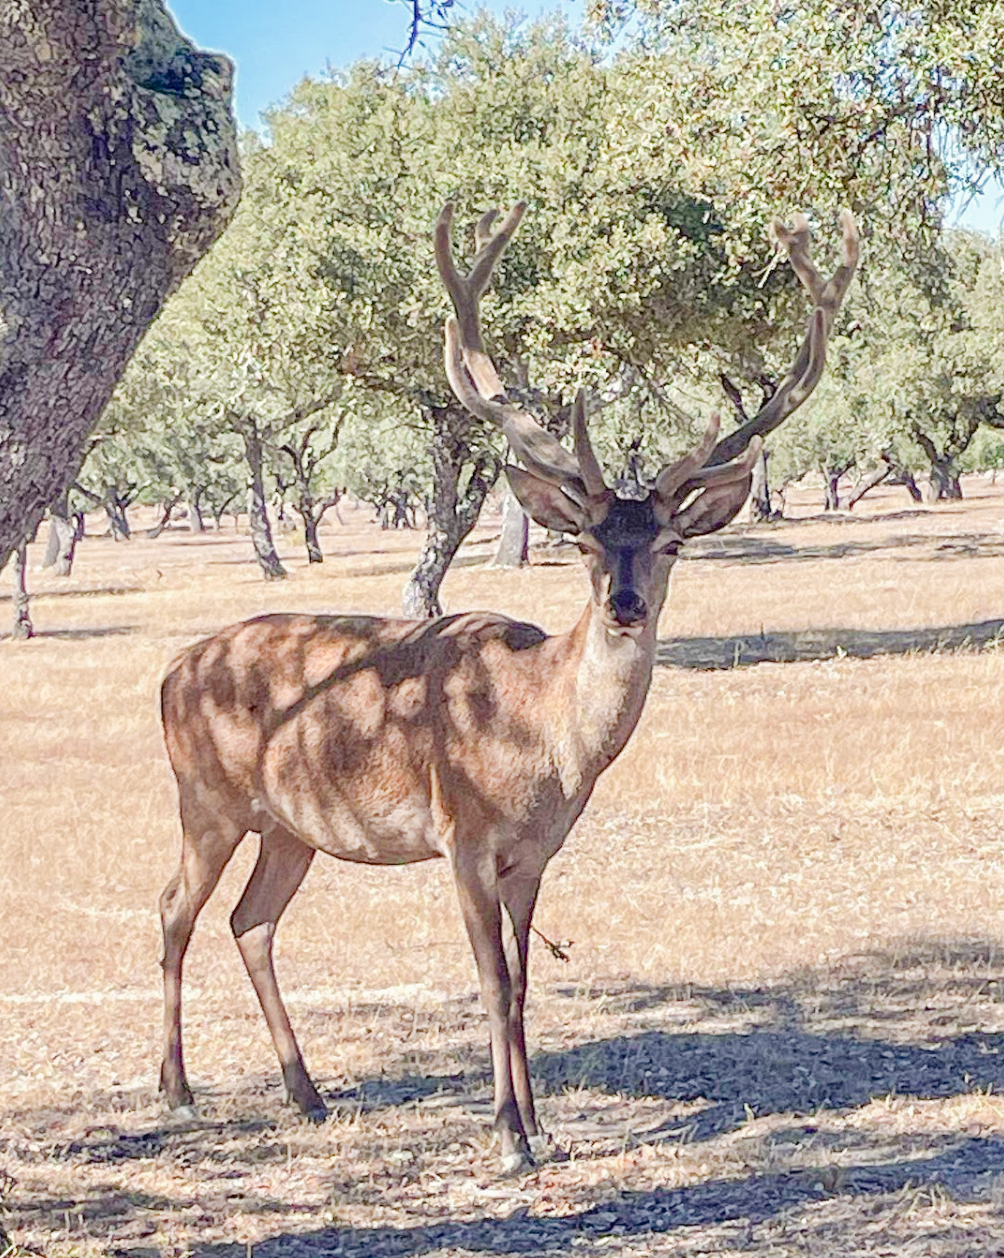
x=519, y=895
x=478, y=893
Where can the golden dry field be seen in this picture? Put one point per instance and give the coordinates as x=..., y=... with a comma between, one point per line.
x=781, y=1027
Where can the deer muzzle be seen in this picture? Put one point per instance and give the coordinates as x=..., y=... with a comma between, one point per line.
x=627, y=609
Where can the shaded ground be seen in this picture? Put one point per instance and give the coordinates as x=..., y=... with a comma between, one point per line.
x=848, y=1110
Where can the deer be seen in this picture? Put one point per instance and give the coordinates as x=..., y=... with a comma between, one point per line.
x=473, y=737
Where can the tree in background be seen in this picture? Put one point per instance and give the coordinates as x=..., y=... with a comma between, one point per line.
x=643, y=272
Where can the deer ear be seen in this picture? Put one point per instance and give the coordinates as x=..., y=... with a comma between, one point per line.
x=713, y=508
x=546, y=503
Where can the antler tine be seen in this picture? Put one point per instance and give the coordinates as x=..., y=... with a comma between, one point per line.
x=589, y=466
x=471, y=372
x=673, y=475
x=827, y=294
x=717, y=483
x=808, y=366
x=538, y=449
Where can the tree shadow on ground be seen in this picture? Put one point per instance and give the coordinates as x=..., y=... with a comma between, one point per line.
x=743, y=548
x=823, y=644
x=97, y=591
x=73, y=635
x=644, y=1217
x=808, y=1052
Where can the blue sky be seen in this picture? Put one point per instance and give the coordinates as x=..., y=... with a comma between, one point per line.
x=276, y=44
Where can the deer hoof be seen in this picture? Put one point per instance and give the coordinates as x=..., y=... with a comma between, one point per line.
x=183, y=1113
x=519, y=1162
x=543, y=1148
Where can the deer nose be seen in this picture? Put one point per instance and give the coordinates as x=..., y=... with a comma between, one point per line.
x=627, y=607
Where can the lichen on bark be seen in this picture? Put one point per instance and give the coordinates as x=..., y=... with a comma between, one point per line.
x=118, y=170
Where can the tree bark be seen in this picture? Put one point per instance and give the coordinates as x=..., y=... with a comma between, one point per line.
x=22, y=627
x=760, y=508
x=514, y=544
x=311, y=540
x=118, y=169
x=876, y=476
x=452, y=515
x=118, y=521
x=196, y=524
x=905, y=478
x=62, y=541
x=261, y=531
x=831, y=476
x=943, y=484
x=165, y=516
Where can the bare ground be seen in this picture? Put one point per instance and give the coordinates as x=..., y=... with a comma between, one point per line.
x=781, y=1027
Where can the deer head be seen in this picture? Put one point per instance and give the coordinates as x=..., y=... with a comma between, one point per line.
x=629, y=546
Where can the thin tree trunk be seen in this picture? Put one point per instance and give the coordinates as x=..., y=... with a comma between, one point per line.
x=313, y=545
x=451, y=516
x=22, y=627
x=514, y=544
x=759, y=508
x=261, y=531
x=832, y=476
x=876, y=476
x=62, y=541
x=905, y=478
x=165, y=517
x=118, y=165
x=196, y=524
x=118, y=521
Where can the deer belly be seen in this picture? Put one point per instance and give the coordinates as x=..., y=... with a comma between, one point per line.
x=377, y=819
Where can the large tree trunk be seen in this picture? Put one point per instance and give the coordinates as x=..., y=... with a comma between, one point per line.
x=118, y=169
x=944, y=480
x=22, y=627
x=943, y=484
x=452, y=515
x=261, y=531
x=514, y=544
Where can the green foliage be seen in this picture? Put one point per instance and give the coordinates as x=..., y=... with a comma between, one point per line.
x=642, y=270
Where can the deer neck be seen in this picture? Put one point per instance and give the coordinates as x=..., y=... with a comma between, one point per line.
x=604, y=684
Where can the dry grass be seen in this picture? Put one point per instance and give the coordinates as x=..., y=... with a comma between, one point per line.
x=781, y=1028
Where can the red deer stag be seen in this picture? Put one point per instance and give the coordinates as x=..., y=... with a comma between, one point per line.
x=472, y=737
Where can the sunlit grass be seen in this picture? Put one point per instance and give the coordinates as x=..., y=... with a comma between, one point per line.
x=766, y=854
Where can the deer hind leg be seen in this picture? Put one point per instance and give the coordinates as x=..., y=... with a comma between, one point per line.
x=282, y=865
x=478, y=893
x=208, y=842
x=519, y=895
